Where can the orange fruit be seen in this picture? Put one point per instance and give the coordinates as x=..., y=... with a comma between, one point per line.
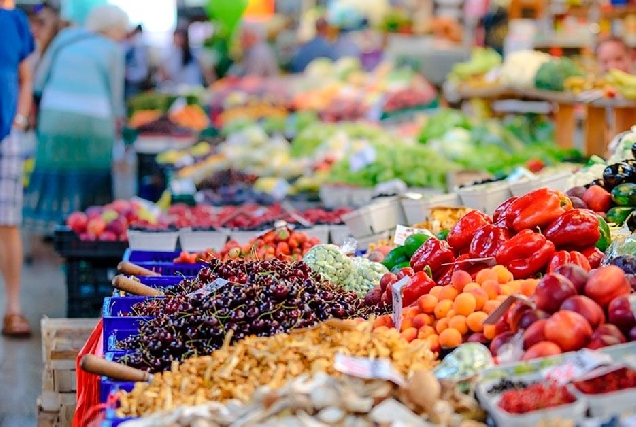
x=503, y=275
x=458, y=323
x=442, y=308
x=459, y=279
x=411, y=311
x=450, y=313
x=435, y=290
x=480, y=297
x=490, y=306
x=433, y=342
x=528, y=287
x=422, y=320
x=447, y=293
x=505, y=289
x=425, y=332
x=469, y=287
x=450, y=338
x=427, y=303
x=475, y=321
x=489, y=331
x=407, y=322
x=384, y=320
x=441, y=325
x=465, y=303
x=409, y=334
x=492, y=288
x=486, y=274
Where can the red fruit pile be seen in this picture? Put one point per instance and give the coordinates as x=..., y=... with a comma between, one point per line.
x=572, y=308
x=535, y=397
x=106, y=223
x=620, y=379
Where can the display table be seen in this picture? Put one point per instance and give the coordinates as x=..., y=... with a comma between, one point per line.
x=622, y=113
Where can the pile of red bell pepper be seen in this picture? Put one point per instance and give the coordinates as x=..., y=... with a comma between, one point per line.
x=531, y=234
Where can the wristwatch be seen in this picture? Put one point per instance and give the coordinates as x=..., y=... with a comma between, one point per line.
x=20, y=121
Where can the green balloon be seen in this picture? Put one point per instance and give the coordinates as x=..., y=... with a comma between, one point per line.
x=227, y=12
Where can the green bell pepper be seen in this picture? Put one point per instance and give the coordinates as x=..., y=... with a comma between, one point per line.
x=396, y=256
x=443, y=235
x=606, y=236
x=617, y=215
x=400, y=266
x=413, y=243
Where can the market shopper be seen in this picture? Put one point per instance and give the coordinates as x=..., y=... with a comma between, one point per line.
x=318, y=47
x=137, y=66
x=346, y=45
x=181, y=66
x=614, y=54
x=16, y=44
x=81, y=82
x=258, y=57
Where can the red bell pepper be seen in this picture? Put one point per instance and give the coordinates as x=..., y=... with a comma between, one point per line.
x=525, y=254
x=487, y=241
x=501, y=214
x=420, y=284
x=537, y=209
x=594, y=255
x=433, y=253
x=564, y=257
x=577, y=228
x=460, y=236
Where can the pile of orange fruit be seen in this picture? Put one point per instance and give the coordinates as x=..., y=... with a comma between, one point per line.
x=451, y=315
x=190, y=117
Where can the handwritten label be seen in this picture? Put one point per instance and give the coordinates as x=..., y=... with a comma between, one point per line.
x=505, y=305
x=396, y=289
x=362, y=158
x=402, y=232
x=377, y=369
x=577, y=365
x=209, y=288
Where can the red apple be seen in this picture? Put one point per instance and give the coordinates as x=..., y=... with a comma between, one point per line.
x=607, y=283
x=534, y=334
x=502, y=326
x=477, y=337
x=569, y=330
x=620, y=312
x=77, y=221
x=109, y=215
x=610, y=330
x=576, y=274
x=530, y=317
x=552, y=290
x=108, y=236
x=587, y=308
x=96, y=226
x=514, y=314
x=541, y=349
x=499, y=341
x=130, y=215
x=603, y=341
x=94, y=211
x=117, y=226
x=120, y=205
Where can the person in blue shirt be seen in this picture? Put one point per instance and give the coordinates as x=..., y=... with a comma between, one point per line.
x=318, y=47
x=16, y=44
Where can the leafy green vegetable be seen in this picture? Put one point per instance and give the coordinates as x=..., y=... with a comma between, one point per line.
x=552, y=74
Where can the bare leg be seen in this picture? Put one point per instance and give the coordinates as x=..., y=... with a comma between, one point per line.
x=11, y=266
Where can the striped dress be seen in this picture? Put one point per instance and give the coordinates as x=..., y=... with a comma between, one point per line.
x=81, y=82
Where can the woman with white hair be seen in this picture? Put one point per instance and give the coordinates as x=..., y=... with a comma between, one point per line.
x=81, y=83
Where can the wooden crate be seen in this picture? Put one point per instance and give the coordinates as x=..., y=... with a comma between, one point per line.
x=47, y=419
x=66, y=415
x=63, y=338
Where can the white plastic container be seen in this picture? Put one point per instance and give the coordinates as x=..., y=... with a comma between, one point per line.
x=524, y=186
x=574, y=411
x=417, y=211
x=359, y=197
x=243, y=237
x=557, y=181
x=338, y=234
x=196, y=241
x=384, y=215
x=319, y=231
x=334, y=196
x=610, y=404
x=358, y=222
x=163, y=241
x=486, y=197
x=487, y=400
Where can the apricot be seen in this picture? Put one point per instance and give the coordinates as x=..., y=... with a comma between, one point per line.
x=409, y=334
x=486, y=274
x=459, y=279
x=441, y=325
x=422, y=320
x=450, y=338
x=427, y=303
x=442, y=308
x=458, y=323
x=481, y=297
x=465, y=303
x=503, y=275
x=448, y=293
x=475, y=321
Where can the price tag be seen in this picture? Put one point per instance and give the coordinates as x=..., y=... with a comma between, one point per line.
x=280, y=190
x=396, y=289
x=402, y=232
x=580, y=363
x=210, y=287
x=377, y=369
x=362, y=158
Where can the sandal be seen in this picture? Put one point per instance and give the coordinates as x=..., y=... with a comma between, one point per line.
x=16, y=326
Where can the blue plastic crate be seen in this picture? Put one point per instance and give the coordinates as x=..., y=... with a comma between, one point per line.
x=153, y=282
x=108, y=386
x=113, y=312
x=149, y=256
x=113, y=337
x=172, y=269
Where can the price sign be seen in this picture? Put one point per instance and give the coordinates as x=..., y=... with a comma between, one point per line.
x=396, y=289
x=362, y=158
x=402, y=232
x=580, y=363
x=378, y=369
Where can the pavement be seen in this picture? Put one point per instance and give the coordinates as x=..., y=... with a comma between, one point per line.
x=43, y=294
